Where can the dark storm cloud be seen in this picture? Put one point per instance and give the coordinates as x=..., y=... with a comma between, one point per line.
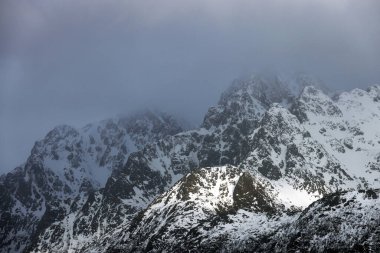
x=79, y=61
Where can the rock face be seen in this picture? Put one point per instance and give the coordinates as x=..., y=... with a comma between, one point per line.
x=267, y=151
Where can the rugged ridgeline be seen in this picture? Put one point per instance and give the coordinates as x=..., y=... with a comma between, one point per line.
x=274, y=148
x=66, y=169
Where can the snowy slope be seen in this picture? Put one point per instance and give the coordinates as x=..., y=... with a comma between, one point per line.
x=348, y=128
x=339, y=222
x=298, y=166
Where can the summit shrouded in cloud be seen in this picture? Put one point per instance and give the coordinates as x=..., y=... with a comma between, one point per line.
x=80, y=61
x=203, y=126
x=272, y=153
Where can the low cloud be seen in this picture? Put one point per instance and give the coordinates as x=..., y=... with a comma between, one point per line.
x=79, y=61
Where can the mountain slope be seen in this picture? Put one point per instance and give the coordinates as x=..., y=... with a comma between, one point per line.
x=348, y=128
x=297, y=165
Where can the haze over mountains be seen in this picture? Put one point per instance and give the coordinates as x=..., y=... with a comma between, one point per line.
x=262, y=156
x=64, y=62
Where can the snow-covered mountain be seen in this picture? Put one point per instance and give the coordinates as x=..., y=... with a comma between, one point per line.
x=268, y=150
x=66, y=168
x=224, y=209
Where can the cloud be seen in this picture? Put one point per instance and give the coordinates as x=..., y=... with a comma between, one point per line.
x=79, y=61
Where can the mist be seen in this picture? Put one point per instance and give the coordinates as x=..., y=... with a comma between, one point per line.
x=74, y=62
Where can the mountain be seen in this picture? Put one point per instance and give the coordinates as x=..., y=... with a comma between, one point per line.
x=283, y=152
x=264, y=155
x=154, y=169
x=66, y=168
x=224, y=209
x=189, y=213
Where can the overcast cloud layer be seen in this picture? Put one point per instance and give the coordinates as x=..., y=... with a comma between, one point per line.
x=76, y=61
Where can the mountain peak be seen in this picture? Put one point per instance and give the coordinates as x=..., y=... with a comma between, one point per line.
x=303, y=80
x=246, y=99
x=266, y=89
x=374, y=89
x=198, y=198
x=61, y=132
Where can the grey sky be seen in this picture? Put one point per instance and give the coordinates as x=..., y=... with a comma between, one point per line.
x=76, y=62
